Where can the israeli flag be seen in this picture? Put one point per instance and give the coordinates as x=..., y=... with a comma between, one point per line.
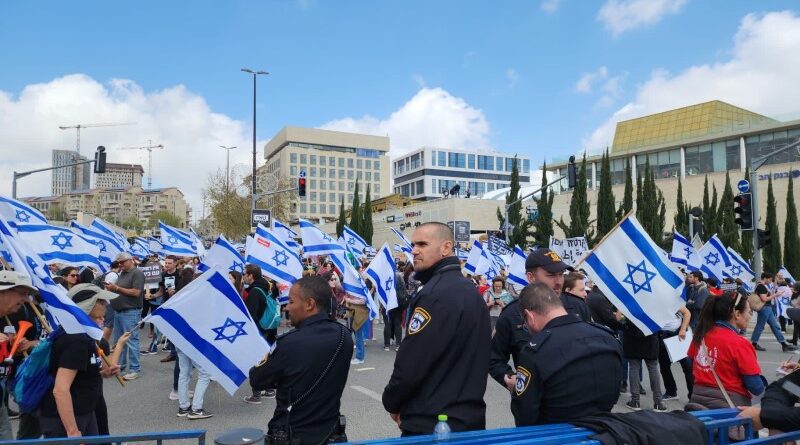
x=636, y=278
x=783, y=271
x=315, y=242
x=460, y=253
x=684, y=253
x=248, y=245
x=382, y=271
x=208, y=321
x=714, y=259
x=198, y=242
x=155, y=246
x=59, y=305
x=175, y=241
x=140, y=248
x=516, y=271
x=223, y=256
x=17, y=213
x=102, y=226
x=409, y=256
x=109, y=246
x=740, y=269
x=59, y=245
x=285, y=234
x=477, y=262
x=354, y=242
x=403, y=240
x=276, y=260
x=352, y=282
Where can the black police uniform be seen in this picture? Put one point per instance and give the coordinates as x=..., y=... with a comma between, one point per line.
x=571, y=369
x=510, y=336
x=443, y=360
x=298, y=362
x=575, y=305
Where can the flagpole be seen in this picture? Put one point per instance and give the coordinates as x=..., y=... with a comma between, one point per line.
x=627, y=215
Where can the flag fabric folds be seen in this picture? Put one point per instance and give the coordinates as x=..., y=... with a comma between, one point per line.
x=197, y=240
x=17, y=213
x=477, y=261
x=175, y=241
x=140, y=248
x=208, y=321
x=275, y=259
x=382, y=271
x=316, y=242
x=516, y=270
x=740, y=269
x=102, y=226
x=285, y=234
x=683, y=252
x=636, y=278
x=354, y=241
x=714, y=259
x=223, y=256
x=407, y=252
x=109, y=245
x=53, y=244
x=783, y=271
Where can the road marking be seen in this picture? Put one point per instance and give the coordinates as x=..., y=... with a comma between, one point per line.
x=364, y=369
x=367, y=392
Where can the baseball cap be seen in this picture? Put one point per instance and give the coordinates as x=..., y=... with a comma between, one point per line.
x=85, y=295
x=546, y=259
x=123, y=256
x=10, y=279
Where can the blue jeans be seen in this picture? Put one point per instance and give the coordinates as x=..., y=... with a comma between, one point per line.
x=203, y=379
x=767, y=316
x=361, y=334
x=126, y=321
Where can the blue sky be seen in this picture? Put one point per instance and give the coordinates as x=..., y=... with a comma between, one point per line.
x=515, y=65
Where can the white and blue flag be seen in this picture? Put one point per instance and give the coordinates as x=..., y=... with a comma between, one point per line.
x=741, y=269
x=630, y=270
x=208, y=321
x=516, y=270
x=714, y=259
x=409, y=256
x=224, y=256
x=109, y=245
x=684, y=253
x=285, y=234
x=140, y=248
x=197, y=240
x=59, y=305
x=175, y=241
x=403, y=240
x=155, y=246
x=17, y=213
x=783, y=271
x=316, y=242
x=276, y=260
x=102, y=226
x=478, y=262
x=59, y=245
x=354, y=241
x=382, y=271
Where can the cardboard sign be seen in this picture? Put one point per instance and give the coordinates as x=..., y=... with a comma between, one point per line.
x=152, y=275
x=571, y=250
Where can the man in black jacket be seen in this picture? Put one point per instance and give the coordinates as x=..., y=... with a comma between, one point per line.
x=443, y=361
x=256, y=303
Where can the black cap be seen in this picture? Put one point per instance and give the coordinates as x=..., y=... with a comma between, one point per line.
x=548, y=260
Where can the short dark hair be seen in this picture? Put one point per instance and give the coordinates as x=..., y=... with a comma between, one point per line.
x=254, y=270
x=498, y=280
x=442, y=230
x=571, y=279
x=539, y=298
x=316, y=287
x=171, y=257
x=697, y=274
x=766, y=275
x=67, y=270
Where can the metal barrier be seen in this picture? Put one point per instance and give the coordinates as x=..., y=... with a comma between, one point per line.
x=158, y=438
x=773, y=440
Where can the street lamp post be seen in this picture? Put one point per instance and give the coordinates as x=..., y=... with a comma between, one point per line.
x=227, y=165
x=255, y=74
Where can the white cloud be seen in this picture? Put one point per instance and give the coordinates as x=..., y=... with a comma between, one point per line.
x=587, y=80
x=624, y=15
x=433, y=117
x=175, y=117
x=758, y=76
x=512, y=76
x=550, y=6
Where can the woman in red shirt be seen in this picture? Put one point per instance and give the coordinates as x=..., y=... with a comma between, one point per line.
x=717, y=348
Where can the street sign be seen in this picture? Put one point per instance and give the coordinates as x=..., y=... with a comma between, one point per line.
x=461, y=230
x=260, y=216
x=533, y=213
x=302, y=173
x=743, y=186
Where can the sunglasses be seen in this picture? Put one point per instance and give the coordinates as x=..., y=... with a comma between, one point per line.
x=73, y=275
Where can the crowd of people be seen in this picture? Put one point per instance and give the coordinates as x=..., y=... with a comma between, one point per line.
x=558, y=345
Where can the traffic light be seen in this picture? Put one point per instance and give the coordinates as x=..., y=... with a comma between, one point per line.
x=744, y=211
x=100, y=160
x=572, y=174
x=764, y=238
x=301, y=187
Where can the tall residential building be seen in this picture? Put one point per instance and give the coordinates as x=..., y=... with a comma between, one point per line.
x=333, y=161
x=426, y=172
x=69, y=179
x=120, y=176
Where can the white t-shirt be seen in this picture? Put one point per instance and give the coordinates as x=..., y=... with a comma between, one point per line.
x=111, y=277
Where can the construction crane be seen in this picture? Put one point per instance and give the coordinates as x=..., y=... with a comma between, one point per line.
x=149, y=147
x=79, y=126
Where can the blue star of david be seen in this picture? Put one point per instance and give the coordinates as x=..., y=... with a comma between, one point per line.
x=648, y=277
x=22, y=216
x=389, y=284
x=61, y=241
x=327, y=238
x=712, y=256
x=736, y=270
x=688, y=252
x=172, y=240
x=237, y=266
x=351, y=241
x=102, y=246
x=280, y=258
x=220, y=331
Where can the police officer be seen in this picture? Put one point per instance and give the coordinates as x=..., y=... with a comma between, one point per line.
x=510, y=333
x=443, y=361
x=309, y=384
x=570, y=369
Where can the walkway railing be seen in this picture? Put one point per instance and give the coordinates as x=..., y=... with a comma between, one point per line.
x=158, y=438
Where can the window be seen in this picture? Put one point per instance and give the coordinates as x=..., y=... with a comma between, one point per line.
x=470, y=162
x=377, y=176
x=331, y=196
x=368, y=164
x=332, y=173
x=313, y=173
x=313, y=208
x=498, y=163
x=699, y=159
x=359, y=175
x=510, y=164
x=293, y=158
x=456, y=160
x=312, y=183
x=331, y=208
x=359, y=164
x=312, y=196
x=442, y=159
x=349, y=197
x=490, y=186
x=415, y=161
x=341, y=173
x=376, y=164
x=349, y=162
x=323, y=184
x=302, y=207
x=341, y=186
x=420, y=187
x=332, y=185
x=369, y=176
x=377, y=189
x=323, y=160
x=341, y=162
x=331, y=161
x=322, y=172
x=303, y=159
x=293, y=170
x=322, y=197
x=526, y=166
x=350, y=186
x=485, y=162
x=349, y=174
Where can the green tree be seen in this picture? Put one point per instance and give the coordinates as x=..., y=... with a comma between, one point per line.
x=639, y=193
x=681, y=223
x=747, y=235
x=726, y=224
x=606, y=218
x=706, y=211
x=342, y=219
x=578, y=208
x=772, y=252
x=627, y=200
x=355, y=212
x=56, y=213
x=651, y=211
x=518, y=236
x=164, y=216
x=132, y=223
x=711, y=221
x=366, y=220
x=791, y=242
x=543, y=226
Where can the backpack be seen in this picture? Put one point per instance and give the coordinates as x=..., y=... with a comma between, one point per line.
x=33, y=378
x=271, y=317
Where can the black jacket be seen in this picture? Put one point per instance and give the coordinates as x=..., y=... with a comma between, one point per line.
x=645, y=427
x=602, y=310
x=569, y=370
x=255, y=302
x=444, y=358
x=576, y=305
x=510, y=336
x=296, y=364
x=778, y=409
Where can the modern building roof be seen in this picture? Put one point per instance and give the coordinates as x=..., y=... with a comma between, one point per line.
x=315, y=136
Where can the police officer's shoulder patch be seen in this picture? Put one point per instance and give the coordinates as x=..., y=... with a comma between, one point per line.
x=419, y=320
x=523, y=380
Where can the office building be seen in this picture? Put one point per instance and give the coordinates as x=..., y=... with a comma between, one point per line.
x=332, y=161
x=426, y=173
x=120, y=176
x=69, y=179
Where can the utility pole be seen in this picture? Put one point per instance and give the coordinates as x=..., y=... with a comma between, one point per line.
x=255, y=74
x=227, y=166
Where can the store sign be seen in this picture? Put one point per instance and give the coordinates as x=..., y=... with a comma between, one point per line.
x=780, y=175
x=460, y=230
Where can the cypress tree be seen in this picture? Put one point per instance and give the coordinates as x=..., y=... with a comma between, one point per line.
x=747, y=236
x=727, y=228
x=639, y=195
x=791, y=243
x=366, y=220
x=710, y=222
x=772, y=252
x=342, y=219
x=681, y=223
x=543, y=226
x=355, y=212
x=706, y=211
x=606, y=219
x=627, y=200
x=578, y=208
x=518, y=236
